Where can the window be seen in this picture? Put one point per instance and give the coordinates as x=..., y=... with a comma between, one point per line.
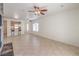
x=36, y=27
x=27, y=27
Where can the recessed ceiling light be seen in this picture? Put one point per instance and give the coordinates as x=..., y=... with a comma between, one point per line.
x=62, y=6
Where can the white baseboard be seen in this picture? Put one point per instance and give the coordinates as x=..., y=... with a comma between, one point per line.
x=54, y=38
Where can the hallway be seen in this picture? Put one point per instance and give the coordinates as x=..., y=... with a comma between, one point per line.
x=32, y=45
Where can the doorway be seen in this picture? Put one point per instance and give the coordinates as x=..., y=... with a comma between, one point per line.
x=5, y=28
x=15, y=28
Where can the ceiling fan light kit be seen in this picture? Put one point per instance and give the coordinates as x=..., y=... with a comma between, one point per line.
x=38, y=10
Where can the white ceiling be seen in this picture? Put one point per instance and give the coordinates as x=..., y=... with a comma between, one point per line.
x=20, y=9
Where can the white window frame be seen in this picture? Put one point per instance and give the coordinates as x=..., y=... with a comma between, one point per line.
x=35, y=27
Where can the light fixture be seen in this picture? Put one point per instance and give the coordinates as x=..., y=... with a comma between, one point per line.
x=16, y=16
x=16, y=26
x=39, y=10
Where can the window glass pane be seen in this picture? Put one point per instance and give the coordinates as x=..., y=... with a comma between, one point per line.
x=35, y=27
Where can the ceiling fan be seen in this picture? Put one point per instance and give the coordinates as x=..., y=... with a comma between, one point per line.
x=38, y=10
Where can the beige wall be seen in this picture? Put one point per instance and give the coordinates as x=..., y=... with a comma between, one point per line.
x=63, y=27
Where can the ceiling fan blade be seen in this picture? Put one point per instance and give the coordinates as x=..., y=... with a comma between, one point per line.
x=42, y=13
x=36, y=7
x=44, y=10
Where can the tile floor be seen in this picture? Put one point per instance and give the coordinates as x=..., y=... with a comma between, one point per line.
x=32, y=45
